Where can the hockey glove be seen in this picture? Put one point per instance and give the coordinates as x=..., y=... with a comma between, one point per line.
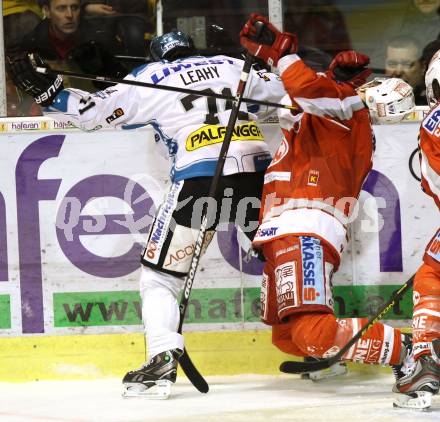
x=267, y=44
x=351, y=67
x=43, y=88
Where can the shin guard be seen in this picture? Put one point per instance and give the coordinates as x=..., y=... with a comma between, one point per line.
x=323, y=335
x=426, y=316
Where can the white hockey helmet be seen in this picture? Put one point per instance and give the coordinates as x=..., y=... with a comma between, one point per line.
x=432, y=80
x=388, y=99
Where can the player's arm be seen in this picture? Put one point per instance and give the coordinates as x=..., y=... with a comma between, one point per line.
x=92, y=111
x=313, y=92
x=112, y=107
x=430, y=163
x=264, y=86
x=317, y=93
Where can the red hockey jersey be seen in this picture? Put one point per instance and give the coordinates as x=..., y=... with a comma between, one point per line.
x=430, y=167
x=313, y=182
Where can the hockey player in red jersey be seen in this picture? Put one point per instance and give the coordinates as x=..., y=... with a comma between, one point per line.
x=310, y=189
x=424, y=378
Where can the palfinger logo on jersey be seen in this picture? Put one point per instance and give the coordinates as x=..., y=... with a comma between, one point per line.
x=214, y=134
x=312, y=271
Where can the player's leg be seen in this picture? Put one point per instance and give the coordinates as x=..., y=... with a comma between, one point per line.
x=166, y=260
x=302, y=269
x=425, y=374
x=245, y=202
x=381, y=344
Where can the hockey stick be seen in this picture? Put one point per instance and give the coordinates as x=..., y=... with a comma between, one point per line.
x=109, y=79
x=186, y=364
x=292, y=367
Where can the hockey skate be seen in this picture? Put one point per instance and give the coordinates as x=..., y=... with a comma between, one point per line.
x=407, y=359
x=339, y=368
x=153, y=380
x=417, y=387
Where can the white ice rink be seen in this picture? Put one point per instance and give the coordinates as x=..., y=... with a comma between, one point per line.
x=247, y=398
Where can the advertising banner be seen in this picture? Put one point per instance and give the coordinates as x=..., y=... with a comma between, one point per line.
x=75, y=209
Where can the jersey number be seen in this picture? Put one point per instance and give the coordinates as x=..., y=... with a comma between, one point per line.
x=211, y=117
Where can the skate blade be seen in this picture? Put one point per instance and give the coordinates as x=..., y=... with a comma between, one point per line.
x=334, y=371
x=161, y=390
x=422, y=401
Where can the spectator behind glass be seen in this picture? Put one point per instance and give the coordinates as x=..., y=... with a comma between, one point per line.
x=64, y=42
x=402, y=60
x=131, y=20
x=318, y=23
x=421, y=20
x=213, y=28
x=427, y=54
x=19, y=17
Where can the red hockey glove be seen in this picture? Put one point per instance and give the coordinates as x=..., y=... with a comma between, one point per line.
x=267, y=43
x=351, y=67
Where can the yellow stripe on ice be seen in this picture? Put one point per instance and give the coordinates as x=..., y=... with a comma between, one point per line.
x=112, y=355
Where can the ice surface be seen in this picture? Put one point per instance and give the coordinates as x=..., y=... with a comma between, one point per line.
x=244, y=398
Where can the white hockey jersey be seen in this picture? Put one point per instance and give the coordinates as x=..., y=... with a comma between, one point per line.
x=189, y=128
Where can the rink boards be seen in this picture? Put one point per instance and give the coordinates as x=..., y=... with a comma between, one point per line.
x=74, y=212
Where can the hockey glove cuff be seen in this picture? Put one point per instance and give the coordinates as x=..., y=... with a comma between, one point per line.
x=351, y=67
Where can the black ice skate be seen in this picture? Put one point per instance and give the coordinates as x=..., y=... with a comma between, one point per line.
x=153, y=380
x=420, y=384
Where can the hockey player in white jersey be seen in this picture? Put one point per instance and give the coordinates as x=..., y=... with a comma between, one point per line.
x=189, y=130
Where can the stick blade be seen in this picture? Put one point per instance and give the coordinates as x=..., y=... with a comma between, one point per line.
x=292, y=367
x=192, y=373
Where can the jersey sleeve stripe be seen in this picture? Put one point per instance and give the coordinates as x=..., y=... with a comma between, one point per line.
x=286, y=61
x=335, y=107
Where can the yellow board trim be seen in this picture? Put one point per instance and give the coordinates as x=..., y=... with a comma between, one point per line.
x=78, y=357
